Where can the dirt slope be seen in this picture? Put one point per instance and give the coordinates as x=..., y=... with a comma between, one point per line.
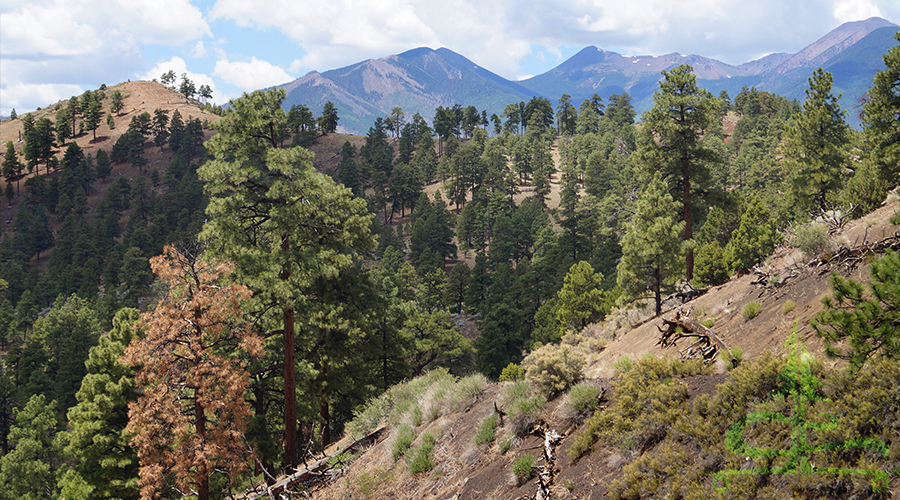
x=465, y=471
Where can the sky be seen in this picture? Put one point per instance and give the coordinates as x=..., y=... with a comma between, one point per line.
x=54, y=49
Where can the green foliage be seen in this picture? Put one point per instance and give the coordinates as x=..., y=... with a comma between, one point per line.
x=583, y=396
x=623, y=364
x=28, y=471
x=521, y=405
x=879, y=117
x=420, y=459
x=753, y=240
x=814, y=145
x=865, y=324
x=523, y=468
x=512, y=373
x=895, y=219
x=551, y=369
x=506, y=443
x=812, y=239
x=97, y=439
x=751, y=310
x=467, y=390
x=711, y=267
x=580, y=301
x=485, y=432
x=652, y=248
x=788, y=306
x=402, y=441
x=648, y=400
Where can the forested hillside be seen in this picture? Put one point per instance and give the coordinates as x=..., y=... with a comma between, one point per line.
x=191, y=308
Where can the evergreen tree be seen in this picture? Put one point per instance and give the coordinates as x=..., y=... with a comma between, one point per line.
x=859, y=326
x=457, y=285
x=815, y=145
x=104, y=166
x=286, y=227
x=328, y=121
x=652, y=251
x=176, y=131
x=116, y=101
x=97, y=441
x=12, y=168
x=671, y=140
x=348, y=169
x=160, y=127
x=28, y=471
x=189, y=419
x=753, y=240
x=879, y=116
x=580, y=301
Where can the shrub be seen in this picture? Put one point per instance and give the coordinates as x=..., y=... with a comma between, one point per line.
x=751, y=310
x=811, y=239
x=467, y=390
x=419, y=458
x=553, y=368
x=506, y=443
x=417, y=416
x=521, y=405
x=709, y=322
x=511, y=373
x=485, y=432
x=622, y=365
x=523, y=468
x=405, y=437
x=583, y=396
x=895, y=219
x=788, y=307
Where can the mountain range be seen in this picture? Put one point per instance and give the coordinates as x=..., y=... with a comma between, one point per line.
x=421, y=79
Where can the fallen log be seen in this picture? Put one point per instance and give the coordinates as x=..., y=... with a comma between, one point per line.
x=706, y=344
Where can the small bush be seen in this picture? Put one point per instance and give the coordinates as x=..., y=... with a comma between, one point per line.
x=622, y=365
x=895, y=219
x=367, y=482
x=511, y=373
x=553, y=368
x=419, y=458
x=788, y=307
x=523, y=468
x=467, y=391
x=417, y=416
x=811, y=239
x=568, y=484
x=506, y=443
x=521, y=405
x=751, y=310
x=708, y=322
x=485, y=432
x=583, y=397
x=405, y=437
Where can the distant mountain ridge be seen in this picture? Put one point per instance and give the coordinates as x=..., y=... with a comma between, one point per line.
x=421, y=79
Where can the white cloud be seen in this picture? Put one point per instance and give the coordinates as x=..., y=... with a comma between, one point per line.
x=199, y=50
x=500, y=34
x=25, y=97
x=252, y=75
x=854, y=10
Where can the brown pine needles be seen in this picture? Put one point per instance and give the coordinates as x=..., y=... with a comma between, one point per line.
x=189, y=420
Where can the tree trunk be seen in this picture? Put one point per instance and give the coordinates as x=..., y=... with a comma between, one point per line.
x=200, y=427
x=688, y=220
x=656, y=286
x=324, y=412
x=290, y=391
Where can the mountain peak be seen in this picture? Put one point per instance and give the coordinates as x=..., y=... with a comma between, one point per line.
x=834, y=42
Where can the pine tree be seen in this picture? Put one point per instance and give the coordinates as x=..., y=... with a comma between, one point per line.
x=815, y=145
x=12, y=168
x=858, y=326
x=288, y=228
x=753, y=240
x=671, y=140
x=189, y=420
x=880, y=116
x=580, y=301
x=652, y=250
x=96, y=439
x=28, y=471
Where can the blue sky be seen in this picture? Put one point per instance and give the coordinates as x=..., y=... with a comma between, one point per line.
x=53, y=49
